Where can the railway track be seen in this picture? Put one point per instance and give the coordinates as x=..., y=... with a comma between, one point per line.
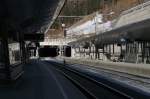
x=110, y=72
x=94, y=88
x=119, y=74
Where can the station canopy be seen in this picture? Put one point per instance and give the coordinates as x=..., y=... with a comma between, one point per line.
x=27, y=16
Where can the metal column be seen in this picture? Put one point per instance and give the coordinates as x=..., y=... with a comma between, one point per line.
x=6, y=58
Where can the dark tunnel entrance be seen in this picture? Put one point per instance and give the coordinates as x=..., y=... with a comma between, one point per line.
x=49, y=51
x=54, y=51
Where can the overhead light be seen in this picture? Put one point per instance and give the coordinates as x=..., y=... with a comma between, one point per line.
x=112, y=13
x=63, y=25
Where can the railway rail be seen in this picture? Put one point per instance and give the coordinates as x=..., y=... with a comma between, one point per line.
x=96, y=87
x=119, y=73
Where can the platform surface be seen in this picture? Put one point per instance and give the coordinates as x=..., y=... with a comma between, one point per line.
x=41, y=81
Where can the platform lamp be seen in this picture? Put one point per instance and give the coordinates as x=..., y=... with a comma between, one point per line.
x=64, y=35
x=63, y=27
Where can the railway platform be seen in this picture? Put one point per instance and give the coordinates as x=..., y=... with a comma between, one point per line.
x=135, y=75
x=40, y=81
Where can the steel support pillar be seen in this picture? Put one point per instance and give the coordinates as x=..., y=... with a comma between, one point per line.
x=113, y=49
x=103, y=51
x=143, y=51
x=6, y=58
x=110, y=49
x=22, y=47
x=79, y=52
x=84, y=52
x=89, y=51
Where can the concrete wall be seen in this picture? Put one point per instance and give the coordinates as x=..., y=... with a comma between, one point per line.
x=134, y=15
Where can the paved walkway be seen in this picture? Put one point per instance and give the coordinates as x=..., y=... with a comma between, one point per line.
x=41, y=81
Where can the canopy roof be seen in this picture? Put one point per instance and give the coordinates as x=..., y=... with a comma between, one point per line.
x=27, y=16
